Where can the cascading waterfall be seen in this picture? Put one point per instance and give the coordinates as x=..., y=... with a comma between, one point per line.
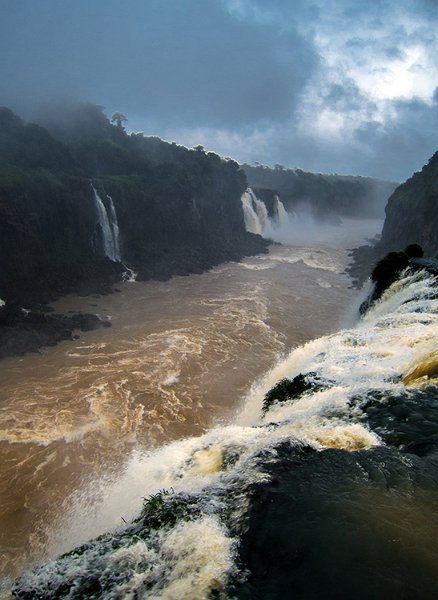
x=114, y=227
x=107, y=220
x=257, y=218
x=282, y=214
x=252, y=220
x=262, y=212
x=198, y=490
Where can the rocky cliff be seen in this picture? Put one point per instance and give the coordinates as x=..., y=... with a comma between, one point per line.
x=174, y=210
x=411, y=218
x=85, y=203
x=411, y=212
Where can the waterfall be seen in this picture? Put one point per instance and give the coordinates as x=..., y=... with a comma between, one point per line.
x=261, y=210
x=282, y=214
x=257, y=218
x=114, y=227
x=252, y=221
x=109, y=225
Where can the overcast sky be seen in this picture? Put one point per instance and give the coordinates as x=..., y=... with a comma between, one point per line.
x=344, y=86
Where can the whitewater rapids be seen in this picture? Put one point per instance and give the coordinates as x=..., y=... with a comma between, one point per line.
x=211, y=474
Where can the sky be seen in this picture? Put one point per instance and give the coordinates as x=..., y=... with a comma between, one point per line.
x=333, y=86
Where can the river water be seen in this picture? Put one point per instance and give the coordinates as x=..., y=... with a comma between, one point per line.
x=181, y=357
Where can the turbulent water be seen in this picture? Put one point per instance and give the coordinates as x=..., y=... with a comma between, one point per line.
x=87, y=428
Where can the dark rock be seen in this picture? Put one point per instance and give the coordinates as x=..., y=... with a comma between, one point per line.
x=411, y=219
x=411, y=213
x=292, y=389
x=268, y=197
x=414, y=251
x=387, y=270
x=407, y=422
x=179, y=211
x=335, y=525
x=29, y=331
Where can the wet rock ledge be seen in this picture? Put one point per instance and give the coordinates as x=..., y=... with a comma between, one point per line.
x=29, y=330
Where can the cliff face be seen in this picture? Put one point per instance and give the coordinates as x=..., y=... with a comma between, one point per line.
x=411, y=213
x=182, y=225
x=327, y=196
x=46, y=233
x=177, y=210
x=411, y=218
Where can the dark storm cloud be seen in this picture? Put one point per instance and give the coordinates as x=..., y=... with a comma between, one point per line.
x=327, y=85
x=345, y=97
x=402, y=142
x=184, y=62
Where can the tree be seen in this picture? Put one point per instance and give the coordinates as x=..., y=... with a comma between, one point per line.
x=119, y=119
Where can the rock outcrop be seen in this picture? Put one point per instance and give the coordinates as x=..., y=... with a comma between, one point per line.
x=411, y=218
x=412, y=212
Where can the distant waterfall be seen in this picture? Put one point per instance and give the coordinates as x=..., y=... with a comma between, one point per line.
x=282, y=214
x=115, y=228
x=107, y=220
x=257, y=218
x=252, y=221
x=262, y=212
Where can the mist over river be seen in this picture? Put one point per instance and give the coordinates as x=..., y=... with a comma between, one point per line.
x=181, y=357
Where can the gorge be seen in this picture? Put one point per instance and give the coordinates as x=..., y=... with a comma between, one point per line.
x=178, y=210
x=159, y=457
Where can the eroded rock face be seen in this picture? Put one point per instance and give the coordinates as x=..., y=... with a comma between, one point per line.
x=412, y=212
x=177, y=211
x=411, y=220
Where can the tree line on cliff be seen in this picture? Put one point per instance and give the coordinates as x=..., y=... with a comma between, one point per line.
x=178, y=209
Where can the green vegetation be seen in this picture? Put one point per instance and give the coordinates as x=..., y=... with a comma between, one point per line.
x=414, y=251
x=165, y=509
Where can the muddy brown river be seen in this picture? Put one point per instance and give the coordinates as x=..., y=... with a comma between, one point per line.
x=179, y=358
